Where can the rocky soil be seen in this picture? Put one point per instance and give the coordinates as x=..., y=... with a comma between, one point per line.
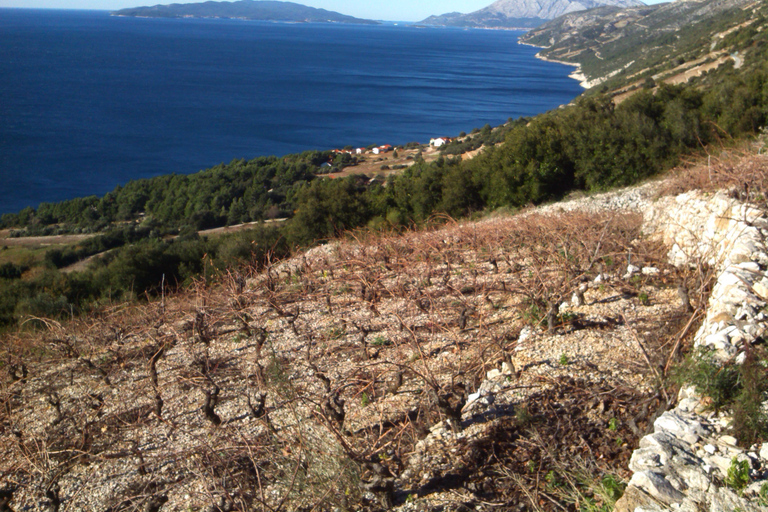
x=508, y=364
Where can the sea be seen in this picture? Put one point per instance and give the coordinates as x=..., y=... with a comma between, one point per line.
x=89, y=101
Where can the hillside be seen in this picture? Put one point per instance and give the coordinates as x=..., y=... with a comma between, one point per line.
x=673, y=42
x=441, y=369
x=262, y=10
x=372, y=353
x=521, y=13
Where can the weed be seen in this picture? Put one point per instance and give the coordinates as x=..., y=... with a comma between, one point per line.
x=522, y=416
x=643, y=298
x=381, y=341
x=335, y=333
x=613, y=425
x=613, y=487
x=702, y=371
x=738, y=475
x=533, y=313
x=593, y=495
x=762, y=496
x=552, y=481
x=365, y=400
x=564, y=361
x=275, y=372
x=750, y=422
x=740, y=388
x=343, y=290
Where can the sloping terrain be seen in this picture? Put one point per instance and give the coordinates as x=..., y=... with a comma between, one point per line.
x=622, y=47
x=445, y=368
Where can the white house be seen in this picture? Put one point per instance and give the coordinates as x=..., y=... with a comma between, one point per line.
x=440, y=141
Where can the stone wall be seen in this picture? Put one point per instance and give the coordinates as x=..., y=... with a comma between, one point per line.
x=683, y=464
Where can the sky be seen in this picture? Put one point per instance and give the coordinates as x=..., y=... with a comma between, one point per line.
x=391, y=10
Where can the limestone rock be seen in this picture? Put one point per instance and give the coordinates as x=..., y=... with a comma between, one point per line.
x=656, y=485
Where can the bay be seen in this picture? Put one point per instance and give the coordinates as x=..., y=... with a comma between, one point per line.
x=89, y=101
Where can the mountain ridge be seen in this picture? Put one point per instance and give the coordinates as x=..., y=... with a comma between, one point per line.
x=521, y=13
x=260, y=10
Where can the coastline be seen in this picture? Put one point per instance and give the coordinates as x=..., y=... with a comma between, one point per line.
x=576, y=74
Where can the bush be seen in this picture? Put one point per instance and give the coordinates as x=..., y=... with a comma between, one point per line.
x=10, y=271
x=741, y=389
x=738, y=474
x=701, y=370
x=44, y=305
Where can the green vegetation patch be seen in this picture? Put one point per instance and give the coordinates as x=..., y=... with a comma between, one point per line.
x=739, y=389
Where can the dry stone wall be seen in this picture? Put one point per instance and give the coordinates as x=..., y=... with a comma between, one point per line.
x=684, y=463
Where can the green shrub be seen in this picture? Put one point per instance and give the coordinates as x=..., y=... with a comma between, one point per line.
x=708, y=377
x=380, y=341
x=10, y=271
x=738, y=388
x=750, y=422
x=738, y=474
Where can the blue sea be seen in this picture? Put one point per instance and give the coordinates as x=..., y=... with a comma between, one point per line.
x=89, y=101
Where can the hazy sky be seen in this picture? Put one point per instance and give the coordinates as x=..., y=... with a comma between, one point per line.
x=395, y=10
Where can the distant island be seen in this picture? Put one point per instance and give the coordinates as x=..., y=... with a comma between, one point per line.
x=265, y=10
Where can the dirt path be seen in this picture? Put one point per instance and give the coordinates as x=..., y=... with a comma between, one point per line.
x=32, y=241
x=237, y=227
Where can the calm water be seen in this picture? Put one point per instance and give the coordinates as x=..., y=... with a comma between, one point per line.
x=89, y=101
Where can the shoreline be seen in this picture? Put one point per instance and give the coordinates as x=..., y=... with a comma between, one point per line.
x=576, y=74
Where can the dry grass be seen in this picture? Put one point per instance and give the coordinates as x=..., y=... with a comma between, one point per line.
x=742, y=170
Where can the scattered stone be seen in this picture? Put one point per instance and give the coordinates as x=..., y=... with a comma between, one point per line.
x=493, y=374
x=631, y=270
x=764, y=451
